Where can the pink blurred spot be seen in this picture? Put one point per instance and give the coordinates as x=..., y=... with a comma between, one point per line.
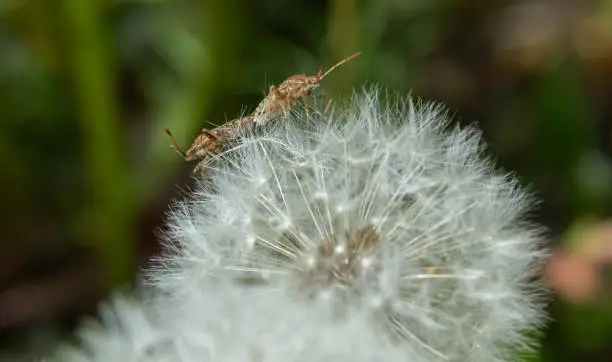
x=576, y=279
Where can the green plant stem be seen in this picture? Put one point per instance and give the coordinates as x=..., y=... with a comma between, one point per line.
x=111, y=213
x=38, y=20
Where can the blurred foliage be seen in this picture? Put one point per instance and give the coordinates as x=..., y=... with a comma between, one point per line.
x=87, y=87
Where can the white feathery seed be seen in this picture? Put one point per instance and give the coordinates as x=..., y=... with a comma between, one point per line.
x=380, y=208
x=220, y=323
x=128, y=330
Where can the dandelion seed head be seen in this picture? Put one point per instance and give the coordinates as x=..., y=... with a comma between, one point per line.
x=128, y=330
x=239, y=325
x=382, y=206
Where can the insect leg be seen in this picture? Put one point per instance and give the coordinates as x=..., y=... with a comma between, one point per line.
x=329, y=102
x=210, y=135
x=274, y=90
x=202, y=166
x=305, y=101
x=327, y=107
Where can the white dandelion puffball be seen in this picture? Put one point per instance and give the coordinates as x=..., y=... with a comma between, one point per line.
x=226, y=324
x=128, y=330
x=379, y=207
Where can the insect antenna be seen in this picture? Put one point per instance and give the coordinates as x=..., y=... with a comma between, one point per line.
x=348, y=59
x=175, y=145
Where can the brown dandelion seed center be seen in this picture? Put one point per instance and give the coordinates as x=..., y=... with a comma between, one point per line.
x=342, y=260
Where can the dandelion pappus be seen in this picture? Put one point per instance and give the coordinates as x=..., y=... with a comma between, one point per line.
x=210, y=143
x=297, y=87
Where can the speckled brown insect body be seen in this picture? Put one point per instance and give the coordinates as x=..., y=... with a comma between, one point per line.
x=285, y=96
x=210, y=143
x=280, y=99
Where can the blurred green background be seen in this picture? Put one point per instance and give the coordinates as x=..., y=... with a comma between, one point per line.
x=87, y=87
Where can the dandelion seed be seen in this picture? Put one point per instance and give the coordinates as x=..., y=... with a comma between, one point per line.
x=129, y=330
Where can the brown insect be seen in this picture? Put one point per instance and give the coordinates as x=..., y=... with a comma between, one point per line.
x=210, y=143
x=297, y=87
